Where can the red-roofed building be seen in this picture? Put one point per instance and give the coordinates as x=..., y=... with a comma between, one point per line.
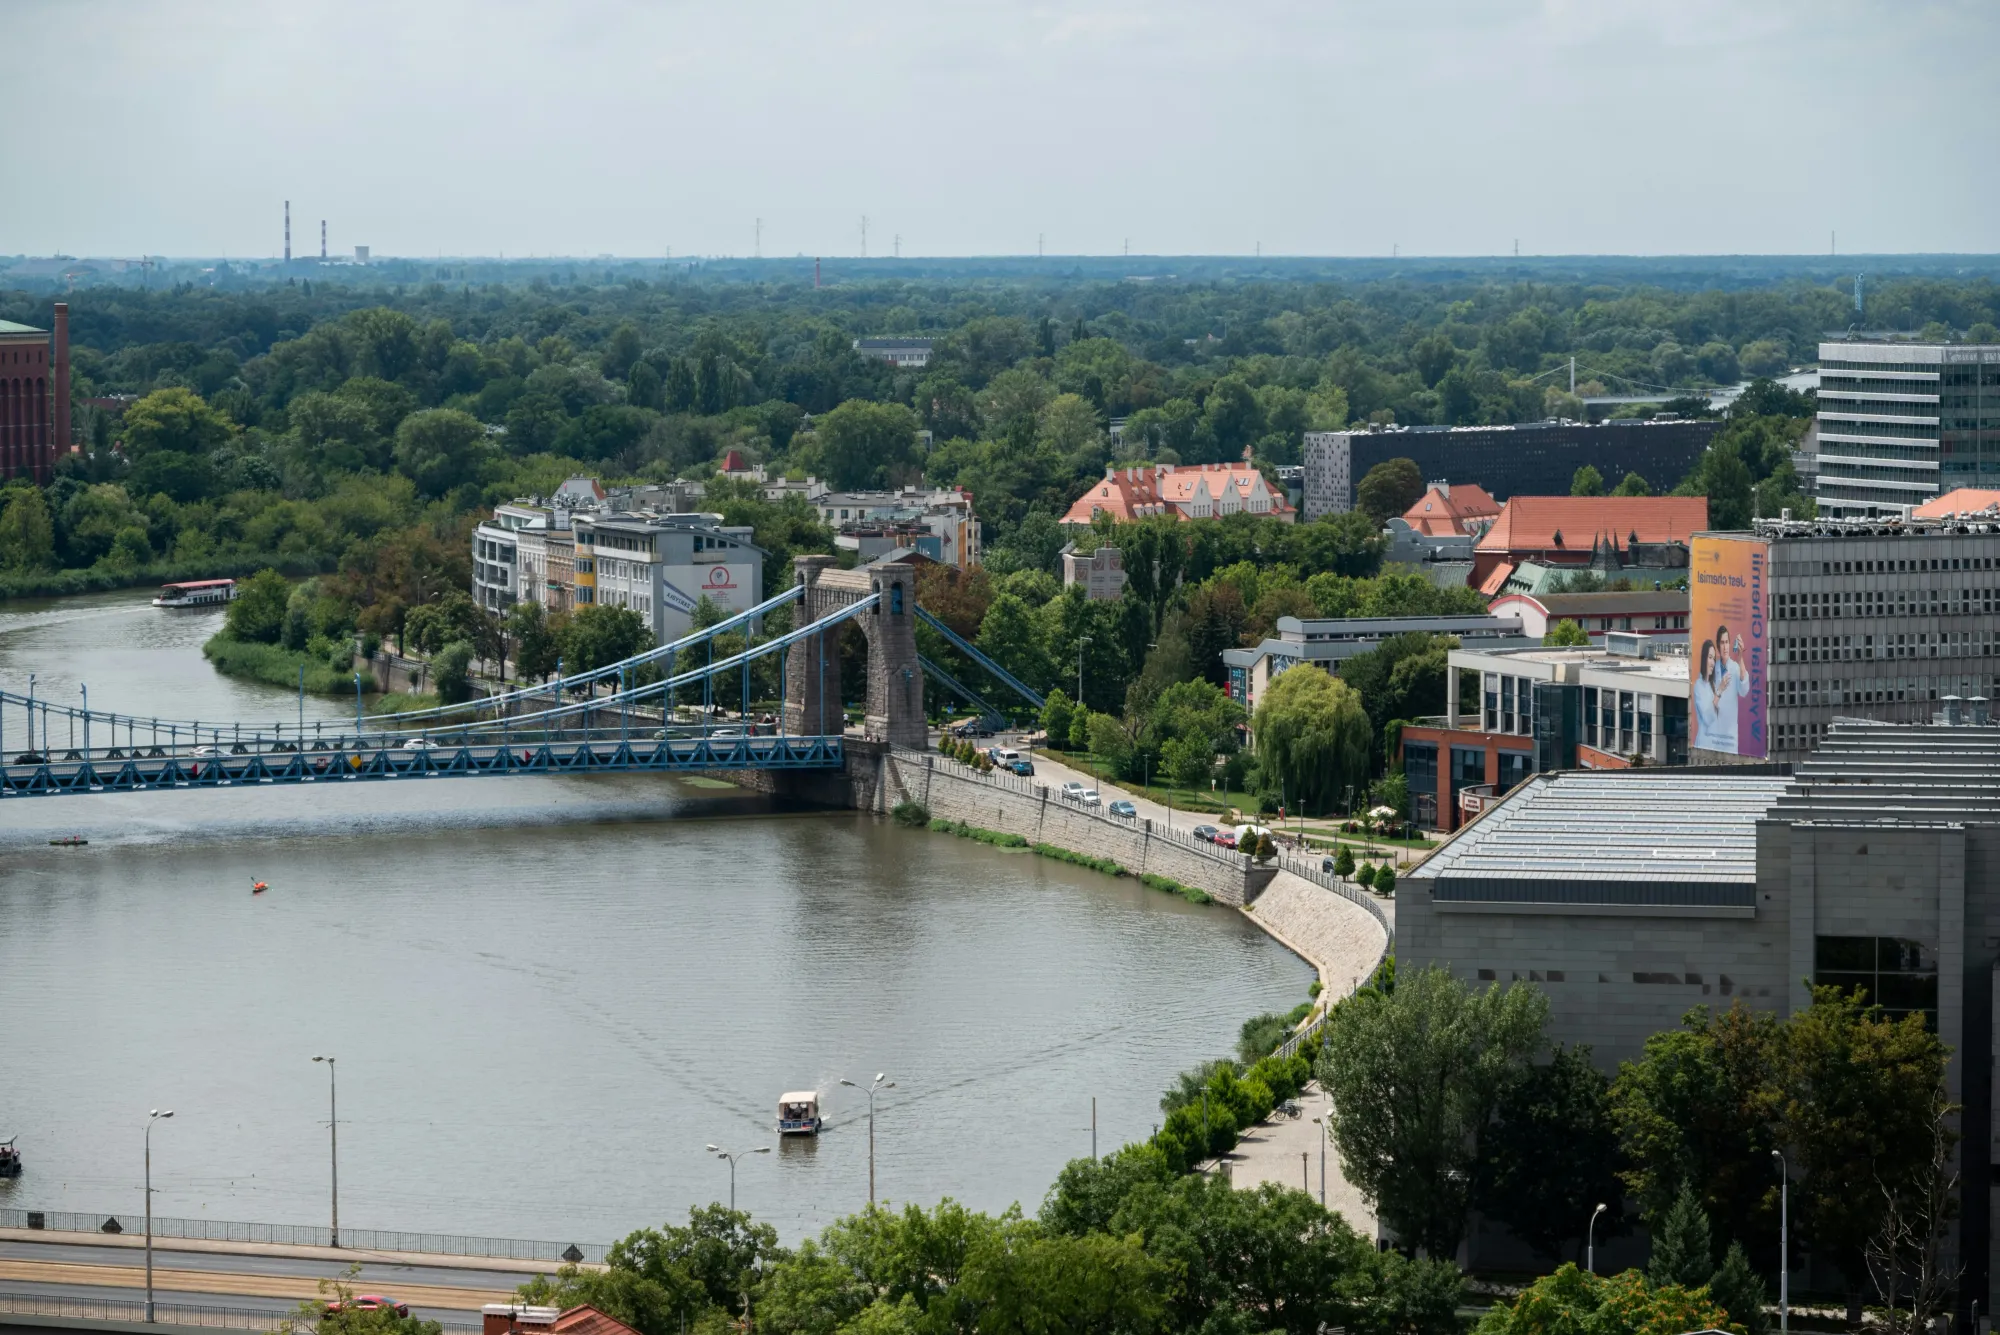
x=1582, y=531
x=1964, y=501
x=1205, y=491
x=1451, y=510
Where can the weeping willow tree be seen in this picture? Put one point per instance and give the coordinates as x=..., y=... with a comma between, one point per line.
x=1313, y=740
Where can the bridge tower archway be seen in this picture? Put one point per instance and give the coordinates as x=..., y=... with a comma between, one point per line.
x=895, y=686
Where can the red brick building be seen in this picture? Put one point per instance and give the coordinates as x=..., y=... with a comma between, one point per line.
x=34, y=397
x=1579, y=530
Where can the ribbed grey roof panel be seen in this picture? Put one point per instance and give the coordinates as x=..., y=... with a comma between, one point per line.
x=1693, y=829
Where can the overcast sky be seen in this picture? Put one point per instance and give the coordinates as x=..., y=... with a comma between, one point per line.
x=579, y=127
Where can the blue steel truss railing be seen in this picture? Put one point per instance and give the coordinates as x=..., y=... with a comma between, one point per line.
x=1000, y=674
x=462, y=726
x=959, y=688
x=622, y=671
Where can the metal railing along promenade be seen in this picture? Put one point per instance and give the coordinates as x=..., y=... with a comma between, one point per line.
x=306, y=1235
x=51, y=1307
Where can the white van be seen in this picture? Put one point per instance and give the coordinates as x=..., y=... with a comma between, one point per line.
x=1005, y=755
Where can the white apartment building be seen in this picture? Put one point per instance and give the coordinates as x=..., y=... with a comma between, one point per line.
x=661, y=566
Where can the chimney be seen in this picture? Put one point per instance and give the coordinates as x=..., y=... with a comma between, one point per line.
x=59, y=414
x=288, y=231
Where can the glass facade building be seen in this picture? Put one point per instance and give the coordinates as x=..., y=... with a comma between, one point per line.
x=1900, y=423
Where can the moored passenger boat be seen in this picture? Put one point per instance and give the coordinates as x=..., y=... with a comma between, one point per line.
x=196, y=593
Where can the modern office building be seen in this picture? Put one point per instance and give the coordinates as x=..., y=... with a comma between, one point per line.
x=661, y=566
x=1900, y=423
x=1634, y=611
x=1530, y=458
x=1804, y=622
x=1631, y=898
x=1617, y=706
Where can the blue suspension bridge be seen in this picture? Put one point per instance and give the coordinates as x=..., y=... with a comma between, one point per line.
x=629, y=716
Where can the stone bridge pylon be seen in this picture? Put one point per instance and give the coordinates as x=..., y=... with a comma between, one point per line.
x=895, y=711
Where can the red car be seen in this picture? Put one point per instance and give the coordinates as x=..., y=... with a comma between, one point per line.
x=371, y=1302
x=1225, y=838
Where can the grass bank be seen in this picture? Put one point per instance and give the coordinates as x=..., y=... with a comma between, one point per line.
x=913, y=815
x=103, y=579
x=278, y=666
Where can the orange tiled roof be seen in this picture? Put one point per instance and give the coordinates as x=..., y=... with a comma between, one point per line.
x=1139, y=492
x=1964, y=501
x=1576, y=523
x=1454, y=508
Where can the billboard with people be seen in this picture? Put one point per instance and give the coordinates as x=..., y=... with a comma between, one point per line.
x=1728, y=660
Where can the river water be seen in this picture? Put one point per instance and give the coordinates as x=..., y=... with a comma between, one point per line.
x=546, y=995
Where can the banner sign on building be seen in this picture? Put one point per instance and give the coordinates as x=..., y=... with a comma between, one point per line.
x=1728, y=661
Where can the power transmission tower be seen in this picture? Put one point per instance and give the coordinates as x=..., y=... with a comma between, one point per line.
x=1038, y=245
x=864, y=236
x=760, y=239
x=899, y=245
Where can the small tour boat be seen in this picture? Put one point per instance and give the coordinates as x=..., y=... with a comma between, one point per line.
x=10, y=1158
x=69, y=841
x=798, y=1113
x=196, y=593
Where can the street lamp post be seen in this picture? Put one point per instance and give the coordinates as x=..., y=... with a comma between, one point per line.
x=1590, y=1251
x=1080, y=642
x=1784, y=1242
x=151, y=1117
x=1325, y=1131
x=333, y=1132
x=873, y=1085
x=721, y=1153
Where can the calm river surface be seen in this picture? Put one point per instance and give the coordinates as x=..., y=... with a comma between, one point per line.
x=546, y=995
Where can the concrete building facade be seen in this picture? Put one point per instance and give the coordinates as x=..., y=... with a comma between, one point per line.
x=1631, y=898
x=1101, y=572
x=661, y=566
x=1874, y=621
x=1900, y=423
x=1326, y=642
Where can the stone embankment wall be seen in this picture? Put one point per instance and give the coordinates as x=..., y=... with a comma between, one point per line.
x=1014, y=805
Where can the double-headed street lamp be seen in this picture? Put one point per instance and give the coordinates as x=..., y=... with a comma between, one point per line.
x=151, y=1117
x=875, y=1084
x=333, y=1130
x=733, y=1156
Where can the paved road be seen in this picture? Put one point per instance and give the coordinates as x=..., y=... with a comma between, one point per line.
x=267, y=1278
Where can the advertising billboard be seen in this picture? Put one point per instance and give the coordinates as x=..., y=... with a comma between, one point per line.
x=1728, y=660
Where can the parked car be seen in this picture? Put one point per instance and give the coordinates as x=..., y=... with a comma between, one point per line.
x=1023, y=767
x=1089, y=797
x=1326, y=865
x=1205, y=833
x=1071, y=791
x=372, y=1302
x=1123, y=808
x=1224, y=839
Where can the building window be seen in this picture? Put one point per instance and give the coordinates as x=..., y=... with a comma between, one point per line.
x=1590, y=715
x=1514, y=767
x=1899, y=975
x=1468, y=766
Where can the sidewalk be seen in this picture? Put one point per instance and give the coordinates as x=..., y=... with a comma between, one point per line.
x=213, y=1247
x=1270, y=1152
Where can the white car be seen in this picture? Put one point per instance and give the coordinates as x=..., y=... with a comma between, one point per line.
x=1089, y=797
x=417, y=744
x=1072, y=792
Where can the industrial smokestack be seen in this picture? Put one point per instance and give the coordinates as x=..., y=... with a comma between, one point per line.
x=288, y=231
x=322, y=240
x=59, y=417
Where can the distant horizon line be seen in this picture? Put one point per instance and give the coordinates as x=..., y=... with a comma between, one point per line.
x=345, y=259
